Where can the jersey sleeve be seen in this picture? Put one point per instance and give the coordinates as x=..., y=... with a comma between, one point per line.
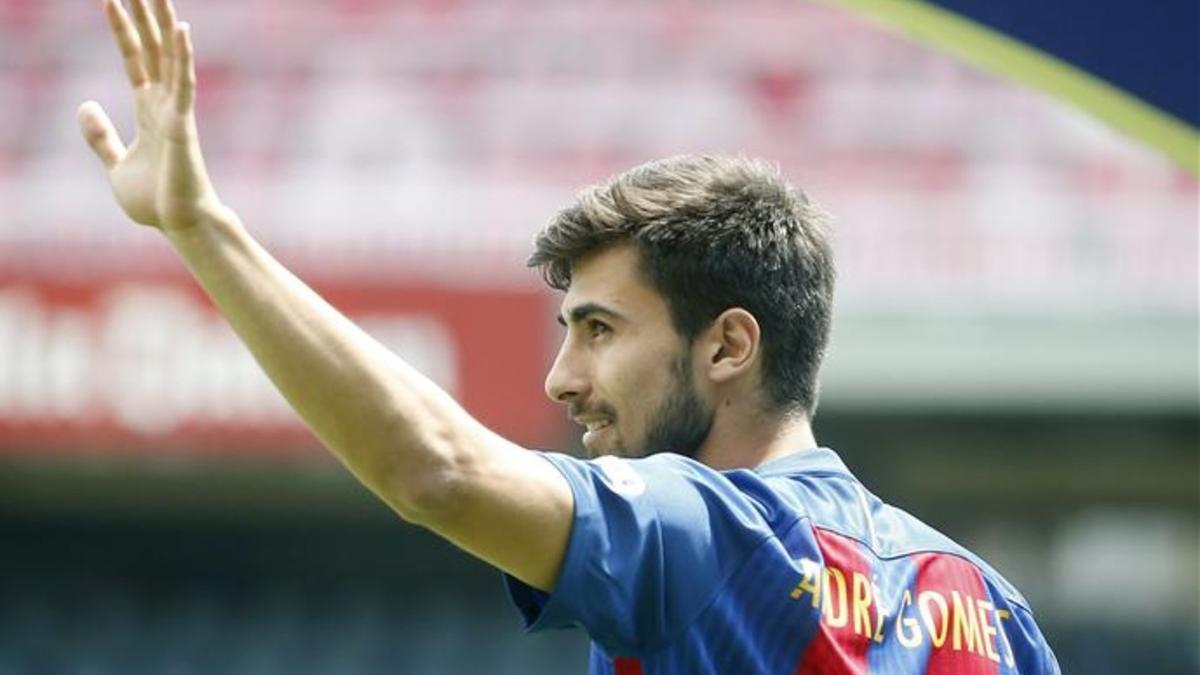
x=651, y=541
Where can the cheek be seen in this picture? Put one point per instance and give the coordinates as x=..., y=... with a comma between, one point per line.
x=636, y=381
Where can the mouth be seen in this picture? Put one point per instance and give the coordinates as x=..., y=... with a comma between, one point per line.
x=595, y=430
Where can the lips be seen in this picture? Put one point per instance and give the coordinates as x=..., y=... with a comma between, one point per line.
x=595, y=427
x=599, y=423
x=592, y=437
x=593, y=420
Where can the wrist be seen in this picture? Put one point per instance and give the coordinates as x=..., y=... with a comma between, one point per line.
x=206, y=221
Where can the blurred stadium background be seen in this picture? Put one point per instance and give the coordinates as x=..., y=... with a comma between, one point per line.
x=1014, y=357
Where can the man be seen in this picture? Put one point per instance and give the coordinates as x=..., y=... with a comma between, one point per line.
x=710, y=534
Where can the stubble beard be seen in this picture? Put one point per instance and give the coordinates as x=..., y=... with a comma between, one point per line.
x=683, y=421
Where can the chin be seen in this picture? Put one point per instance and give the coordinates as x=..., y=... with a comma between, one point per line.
x=615, y=449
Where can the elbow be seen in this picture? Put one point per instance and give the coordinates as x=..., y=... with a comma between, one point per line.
x=428, y=487
x=427, y=497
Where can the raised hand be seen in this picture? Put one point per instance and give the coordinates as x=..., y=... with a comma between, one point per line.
x=159, y=179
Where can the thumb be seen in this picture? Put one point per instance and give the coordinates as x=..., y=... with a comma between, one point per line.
x=99, y=132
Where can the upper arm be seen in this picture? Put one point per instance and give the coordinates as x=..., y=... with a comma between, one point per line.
x=510, y=508
x=650, y=541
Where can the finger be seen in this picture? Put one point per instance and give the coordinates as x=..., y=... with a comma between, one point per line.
x=147, y=28
x=185, y=68
x=100, y=134
x=165, y=13
x=127, y=41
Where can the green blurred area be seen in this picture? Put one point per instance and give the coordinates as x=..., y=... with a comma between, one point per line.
x=243, y=566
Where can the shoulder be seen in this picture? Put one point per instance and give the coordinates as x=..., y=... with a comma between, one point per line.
x=653, y=540
x=669, y=480
x=692, y=511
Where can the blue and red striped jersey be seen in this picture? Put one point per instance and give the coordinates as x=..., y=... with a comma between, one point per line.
x=792, y=568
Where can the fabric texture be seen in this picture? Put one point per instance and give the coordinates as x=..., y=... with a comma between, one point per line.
x=792, y=568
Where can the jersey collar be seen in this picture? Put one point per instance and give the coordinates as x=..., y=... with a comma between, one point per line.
x=812, y=460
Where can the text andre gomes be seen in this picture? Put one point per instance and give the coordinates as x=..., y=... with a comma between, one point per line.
x=946, y=619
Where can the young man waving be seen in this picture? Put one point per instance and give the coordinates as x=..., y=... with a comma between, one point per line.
x=710, y=533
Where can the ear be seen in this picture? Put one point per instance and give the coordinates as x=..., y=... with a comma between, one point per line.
x=732, y=343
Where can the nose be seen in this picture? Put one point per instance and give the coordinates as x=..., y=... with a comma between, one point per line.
x=567, y=379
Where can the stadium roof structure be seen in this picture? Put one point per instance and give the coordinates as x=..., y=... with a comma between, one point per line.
x=1134, y=65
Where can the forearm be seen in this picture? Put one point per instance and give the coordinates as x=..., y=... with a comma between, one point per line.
x=404, y=438
x=392, y=427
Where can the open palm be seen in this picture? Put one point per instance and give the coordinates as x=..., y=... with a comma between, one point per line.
x=159, y=179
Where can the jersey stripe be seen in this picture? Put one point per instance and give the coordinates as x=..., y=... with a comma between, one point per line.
x=841, y=643
x=627, y=666
x=948, y=596
x=903, y=649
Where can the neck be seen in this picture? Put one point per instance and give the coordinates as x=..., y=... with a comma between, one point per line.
x=742, y=441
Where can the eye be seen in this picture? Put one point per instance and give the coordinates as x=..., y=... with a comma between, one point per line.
x=597, y=328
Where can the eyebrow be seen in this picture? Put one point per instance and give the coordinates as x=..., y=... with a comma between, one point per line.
x=581, y=312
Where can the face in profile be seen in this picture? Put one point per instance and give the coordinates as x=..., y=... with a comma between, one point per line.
x=623, y=371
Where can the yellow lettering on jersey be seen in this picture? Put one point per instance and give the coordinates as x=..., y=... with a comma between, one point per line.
x=908, y=630
x=978, y=625
x=862, y=605
x=966, y=624
x=1009, y=658
x=810, y=583
x=937, y=635
x=986, y=610
x=835, y=601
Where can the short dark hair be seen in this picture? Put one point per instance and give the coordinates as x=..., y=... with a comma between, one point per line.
x=715, y=233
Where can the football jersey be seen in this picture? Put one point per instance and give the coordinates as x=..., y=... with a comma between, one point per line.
x=790, y=568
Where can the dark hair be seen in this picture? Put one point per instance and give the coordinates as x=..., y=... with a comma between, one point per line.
x=715, y=233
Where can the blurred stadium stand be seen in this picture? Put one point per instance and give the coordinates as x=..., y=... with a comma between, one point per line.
x=1014, y=358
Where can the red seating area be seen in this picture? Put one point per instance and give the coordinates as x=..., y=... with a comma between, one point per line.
x=364, y=131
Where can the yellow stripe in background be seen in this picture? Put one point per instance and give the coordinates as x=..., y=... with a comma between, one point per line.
x=999, y=53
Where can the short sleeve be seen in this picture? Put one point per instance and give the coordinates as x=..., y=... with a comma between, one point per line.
x=652, y=540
